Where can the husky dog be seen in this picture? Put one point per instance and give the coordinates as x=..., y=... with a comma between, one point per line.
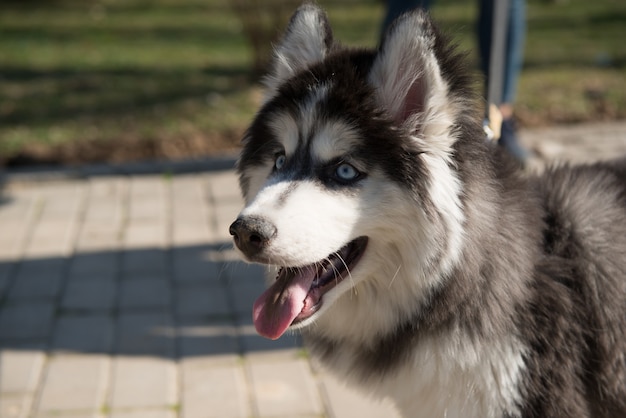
x=419, y=264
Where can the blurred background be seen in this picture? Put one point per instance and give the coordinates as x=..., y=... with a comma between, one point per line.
x=124, y=80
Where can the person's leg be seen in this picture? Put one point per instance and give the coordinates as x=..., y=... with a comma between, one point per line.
x=516, y=35
x=516, y=27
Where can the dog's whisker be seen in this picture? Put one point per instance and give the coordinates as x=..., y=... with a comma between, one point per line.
x=394, y=276
x=349, y=273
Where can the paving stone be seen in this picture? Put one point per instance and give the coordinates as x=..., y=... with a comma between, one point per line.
x=211, y=391
x=12, y=238
x=194, y=264
x=94, y=294
x=143, y=382
x=74, y=383
x=99, y=238
x=6, y=269
x=145, y=234
x=26, y=320
x=145, y=413
x=345, y=402
x=206, y=301
x=244, y=297
x=83, y=333
x=146, y=334
x=255, y=346
x=17, y=207
x=94, y=263
x=20, y=369
x=51, y=238
x=224, y=214
x=42, y=266
x=32, y=287
x=214, y=340
x=152, y=261
x=242, y=273
x=15, y=405
x=224, y=187
x=285, y=388
x=145, y=293
x=190, y=233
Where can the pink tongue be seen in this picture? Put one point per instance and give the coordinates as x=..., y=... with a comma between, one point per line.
x=279, y=305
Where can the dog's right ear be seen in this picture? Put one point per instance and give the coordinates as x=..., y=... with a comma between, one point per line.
x=410, y=85
x=307, y=41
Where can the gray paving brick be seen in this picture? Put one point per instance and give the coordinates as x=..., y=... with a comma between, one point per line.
x=214, y=340
x=143, y=382
x=94, y=263
x=15, y=405
x=74, y=383
x=51, y=238
x=190, y=233
x=18, y=206
x=146, y=334
x=206, y=301
x=225, y=213
x=224, y=186
x=285, y=388
x=194, y=264
x=26, y=320
x=145, y=413
x=240, y=273
x=253, y=345
x=212, y=391
x=99, y=237
x=58, y=210
x=20, y=369
x=43, y=286
x=145, y=234
x=12, y=238
x=152, y=261
x=83, y=333
x=244, y=296
x=42, y=266
x=145, y=293
x=6, y=268
x=89, y=294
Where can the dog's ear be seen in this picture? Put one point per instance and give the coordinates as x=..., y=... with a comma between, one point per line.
x=307, y=40
x=409, y=83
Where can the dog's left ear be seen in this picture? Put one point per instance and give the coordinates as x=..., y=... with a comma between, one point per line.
x=307, y=40
x=409, y=83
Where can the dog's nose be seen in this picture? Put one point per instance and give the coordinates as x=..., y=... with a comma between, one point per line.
x=251, y=234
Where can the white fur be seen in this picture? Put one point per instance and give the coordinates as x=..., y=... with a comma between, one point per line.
x=302, y=46
x=300, y=239
x=458, y=379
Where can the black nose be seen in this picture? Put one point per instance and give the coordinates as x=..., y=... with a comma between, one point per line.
x=252, y=234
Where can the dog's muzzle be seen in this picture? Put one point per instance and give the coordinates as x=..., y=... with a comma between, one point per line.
x=252, y=234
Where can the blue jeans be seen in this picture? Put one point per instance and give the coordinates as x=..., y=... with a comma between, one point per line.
x=514, y=47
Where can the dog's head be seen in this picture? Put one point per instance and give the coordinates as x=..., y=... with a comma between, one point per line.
x=349, y=163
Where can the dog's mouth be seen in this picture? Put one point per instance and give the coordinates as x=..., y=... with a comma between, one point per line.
x=297, y=293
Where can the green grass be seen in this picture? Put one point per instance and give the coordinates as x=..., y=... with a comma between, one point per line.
x=120, y=71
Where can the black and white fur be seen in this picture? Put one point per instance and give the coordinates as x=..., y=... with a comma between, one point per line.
x=481, y=292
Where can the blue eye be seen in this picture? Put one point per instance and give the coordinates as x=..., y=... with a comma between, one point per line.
x=279, y=162
x=346, y=172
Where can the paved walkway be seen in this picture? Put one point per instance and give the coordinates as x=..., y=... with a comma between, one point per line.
x=120, y=297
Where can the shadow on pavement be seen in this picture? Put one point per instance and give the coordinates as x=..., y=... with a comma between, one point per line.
x=179, y=302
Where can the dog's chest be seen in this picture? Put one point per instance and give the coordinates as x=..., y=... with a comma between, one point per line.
x=453, y=377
